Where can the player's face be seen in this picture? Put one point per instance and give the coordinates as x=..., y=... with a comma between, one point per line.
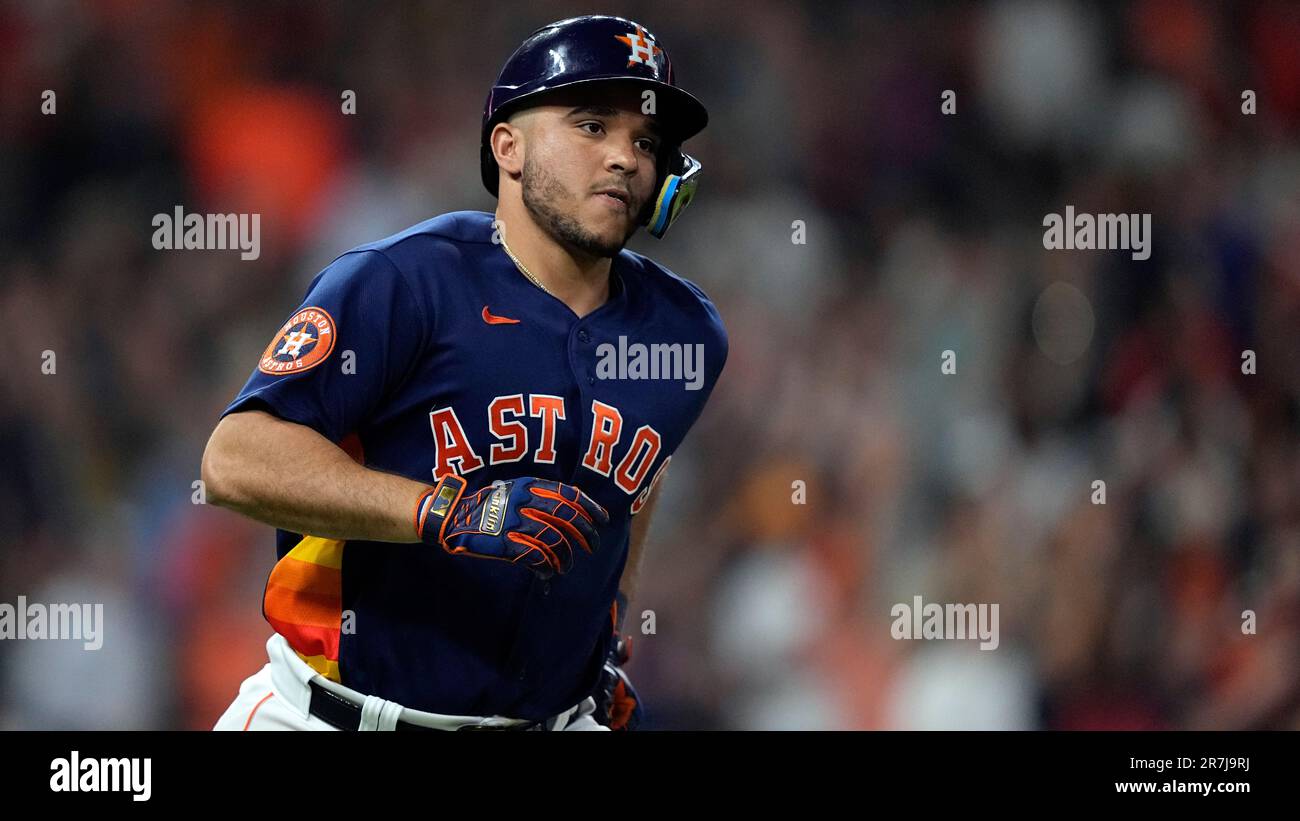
x=596, y=140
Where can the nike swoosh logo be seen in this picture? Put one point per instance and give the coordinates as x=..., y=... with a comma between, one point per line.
x=497, y=320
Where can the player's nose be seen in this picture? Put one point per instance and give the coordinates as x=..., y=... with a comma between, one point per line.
x=620, y=153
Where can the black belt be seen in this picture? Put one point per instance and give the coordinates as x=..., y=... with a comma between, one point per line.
x=338, y=712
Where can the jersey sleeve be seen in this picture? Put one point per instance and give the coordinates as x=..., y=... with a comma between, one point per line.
x=717, y=344
x=354, y=338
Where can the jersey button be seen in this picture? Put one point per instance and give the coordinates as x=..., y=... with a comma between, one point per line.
x=583, y=336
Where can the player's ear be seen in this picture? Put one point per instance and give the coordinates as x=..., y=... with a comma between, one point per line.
x=507, y=141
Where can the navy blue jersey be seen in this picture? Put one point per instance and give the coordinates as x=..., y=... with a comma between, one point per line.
x=429, y=352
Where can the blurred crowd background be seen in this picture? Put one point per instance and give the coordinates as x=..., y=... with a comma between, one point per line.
x=923, y=234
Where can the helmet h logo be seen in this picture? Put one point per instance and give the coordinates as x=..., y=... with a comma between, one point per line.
x=643, y=48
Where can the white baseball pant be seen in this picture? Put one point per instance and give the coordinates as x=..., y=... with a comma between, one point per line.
x=277, y=698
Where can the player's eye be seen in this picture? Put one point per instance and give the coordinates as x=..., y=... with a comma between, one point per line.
x=648, y=145
x=599, y=126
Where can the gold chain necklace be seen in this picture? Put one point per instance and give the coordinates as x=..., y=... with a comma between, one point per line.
x=524, y=268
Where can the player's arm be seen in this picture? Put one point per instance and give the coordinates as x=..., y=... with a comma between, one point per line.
x=291, y=477
x=636, y=544
x=617, y=704
x=273, y=456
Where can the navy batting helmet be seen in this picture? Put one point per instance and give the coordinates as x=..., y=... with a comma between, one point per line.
x=593, y=49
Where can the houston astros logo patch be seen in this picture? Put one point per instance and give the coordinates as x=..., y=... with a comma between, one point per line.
x=303, y=342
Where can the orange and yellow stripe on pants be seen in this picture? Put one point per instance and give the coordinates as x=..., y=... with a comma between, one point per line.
x=304, y=601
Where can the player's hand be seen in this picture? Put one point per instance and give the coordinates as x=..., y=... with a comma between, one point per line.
x=533, y=522
x=618, y=706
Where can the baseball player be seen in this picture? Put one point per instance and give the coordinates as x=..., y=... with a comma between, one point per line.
x=460, y=479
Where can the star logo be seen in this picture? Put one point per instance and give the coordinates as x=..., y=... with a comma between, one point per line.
x=295, y=340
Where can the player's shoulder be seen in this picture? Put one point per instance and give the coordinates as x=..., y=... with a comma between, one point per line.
x=438, y=239
x=408, y=257
x=675, y=290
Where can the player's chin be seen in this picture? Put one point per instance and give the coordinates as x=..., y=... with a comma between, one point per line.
x=609, y=225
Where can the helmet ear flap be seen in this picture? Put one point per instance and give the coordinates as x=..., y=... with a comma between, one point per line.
x=675, y=191
x=667, y=162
